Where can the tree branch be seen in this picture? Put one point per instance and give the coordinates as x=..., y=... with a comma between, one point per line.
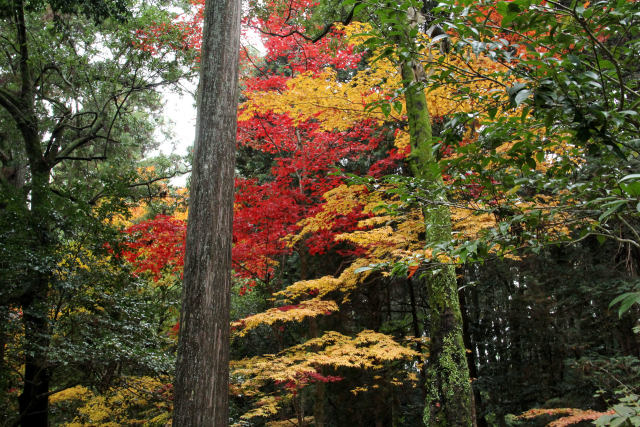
x=12, y=104
x=53, y=67
x=79, y=142
x=327, y=28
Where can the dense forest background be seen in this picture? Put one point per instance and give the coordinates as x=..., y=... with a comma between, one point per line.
x=404, y=170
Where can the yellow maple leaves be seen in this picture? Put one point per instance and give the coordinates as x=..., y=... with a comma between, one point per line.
x=120, y=404
x=368, y=350
x=290, y=313
x=346, y=282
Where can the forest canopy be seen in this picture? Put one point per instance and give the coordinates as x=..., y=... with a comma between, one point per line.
x=436, y=217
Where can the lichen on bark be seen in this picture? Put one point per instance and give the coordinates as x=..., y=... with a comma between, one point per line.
x=448, y=397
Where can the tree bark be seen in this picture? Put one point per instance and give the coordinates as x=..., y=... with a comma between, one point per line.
x=448, y=386
x=34, y=400
x=202, y=370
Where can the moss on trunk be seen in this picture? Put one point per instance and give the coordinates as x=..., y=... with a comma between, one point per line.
x=448, y=389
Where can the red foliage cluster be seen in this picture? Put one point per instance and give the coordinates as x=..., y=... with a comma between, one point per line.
x=305, y=157
x=303, y=379
x=284, y=39
x=156, y=245
x=289, y=307
x=304, y=154
x=184, y=33
x=390, y=163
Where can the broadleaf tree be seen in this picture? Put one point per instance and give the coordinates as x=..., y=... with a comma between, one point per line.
x=78, y=111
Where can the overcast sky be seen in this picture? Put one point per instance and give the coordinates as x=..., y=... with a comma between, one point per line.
x=180, y=114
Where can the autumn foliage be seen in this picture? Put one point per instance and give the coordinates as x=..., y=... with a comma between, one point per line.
x=156, y=246
x=312, y=113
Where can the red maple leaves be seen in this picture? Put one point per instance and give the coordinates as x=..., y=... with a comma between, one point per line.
x=156, y=246
x=304, y=154
x=302, y=379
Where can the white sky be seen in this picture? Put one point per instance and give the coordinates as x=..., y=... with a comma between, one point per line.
x=180, y=115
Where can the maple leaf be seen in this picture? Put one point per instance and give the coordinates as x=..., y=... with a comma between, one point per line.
x=155, y=246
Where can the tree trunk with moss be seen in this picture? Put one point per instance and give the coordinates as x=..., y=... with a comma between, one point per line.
x=448, y=389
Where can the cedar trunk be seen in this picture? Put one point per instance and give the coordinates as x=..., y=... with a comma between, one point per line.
x=202, y=371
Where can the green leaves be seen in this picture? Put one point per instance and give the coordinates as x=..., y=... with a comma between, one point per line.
x=610, y=208
x=627, y=413
x=625, y=300
x=518, y=93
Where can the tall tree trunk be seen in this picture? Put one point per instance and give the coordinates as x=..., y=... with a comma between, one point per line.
x=418, y=334
x=447, y=381
x=202, y=371
x=34, y=400
x=467, y=325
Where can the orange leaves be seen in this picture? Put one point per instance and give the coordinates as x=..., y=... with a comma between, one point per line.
x=570, y=416
x=412, y=270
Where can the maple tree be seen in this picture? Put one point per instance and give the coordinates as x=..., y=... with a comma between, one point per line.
x=156, y=245
x=360, y=219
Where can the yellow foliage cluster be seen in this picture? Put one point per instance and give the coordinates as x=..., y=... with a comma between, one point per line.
x=346, y=282
x=338, y=105
x=266, y=407
x=368, y=350
x=77, y=393
x=138, y=401
x=308, y=421
x=472, y=68
x=341, y=200
x=310, y=308
x=468, y=224
x=394, y=237
x=76, y=257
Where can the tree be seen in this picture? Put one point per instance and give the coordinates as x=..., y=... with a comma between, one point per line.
x=448, y=385
x=202, y=371
x=74, y=125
